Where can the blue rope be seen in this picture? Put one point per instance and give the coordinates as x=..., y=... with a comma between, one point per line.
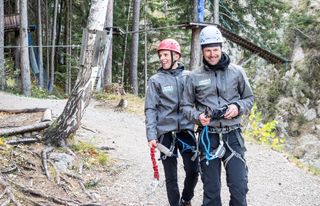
x=185, y=146
x=206, y=148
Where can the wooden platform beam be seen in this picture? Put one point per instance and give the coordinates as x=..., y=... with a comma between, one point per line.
x=263, y=53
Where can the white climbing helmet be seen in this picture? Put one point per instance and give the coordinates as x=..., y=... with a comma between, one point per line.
x=210, y=35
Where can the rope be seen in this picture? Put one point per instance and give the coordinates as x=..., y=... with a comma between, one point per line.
x=44, y=46
x=154, y=164
x=216, y=153
x=206, y=148
x=156, y=28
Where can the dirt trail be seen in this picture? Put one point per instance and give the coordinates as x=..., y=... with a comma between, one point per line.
x=272, y=179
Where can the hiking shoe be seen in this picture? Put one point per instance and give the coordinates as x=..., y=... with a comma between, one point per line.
x=185, y=203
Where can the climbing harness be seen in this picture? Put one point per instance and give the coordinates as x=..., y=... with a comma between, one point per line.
x=220, y=151
x=167, y=152
x=233, y=154
x=217, y=153
x=187, y=147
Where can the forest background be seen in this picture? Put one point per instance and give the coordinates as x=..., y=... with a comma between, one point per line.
x=287, y=109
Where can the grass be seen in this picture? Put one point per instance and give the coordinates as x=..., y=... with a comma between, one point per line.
x=310, y=168
x=135, y=104
x=91, y=154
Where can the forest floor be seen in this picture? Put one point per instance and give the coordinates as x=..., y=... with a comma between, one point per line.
x=126, y=178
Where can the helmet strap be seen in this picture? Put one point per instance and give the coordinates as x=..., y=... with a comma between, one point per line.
x=172, y=62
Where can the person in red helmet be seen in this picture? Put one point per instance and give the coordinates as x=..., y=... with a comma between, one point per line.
x=166, y=128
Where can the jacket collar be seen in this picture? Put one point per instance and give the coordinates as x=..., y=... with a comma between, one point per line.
x=222, y=64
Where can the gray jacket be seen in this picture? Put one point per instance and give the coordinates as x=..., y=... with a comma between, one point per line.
x=215, y=88
x=162, y=103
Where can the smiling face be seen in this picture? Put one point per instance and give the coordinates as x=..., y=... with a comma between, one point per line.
x=212, y=54
x=165, y=59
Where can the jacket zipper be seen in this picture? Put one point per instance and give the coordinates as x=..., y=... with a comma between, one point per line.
x=178, y=95
x=218, y=93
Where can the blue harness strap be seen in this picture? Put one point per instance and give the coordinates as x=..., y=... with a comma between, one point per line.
x=185, y=146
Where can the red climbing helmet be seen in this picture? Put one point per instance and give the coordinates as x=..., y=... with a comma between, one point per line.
x=169, y=44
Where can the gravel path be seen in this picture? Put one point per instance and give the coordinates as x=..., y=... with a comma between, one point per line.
x=272, y=179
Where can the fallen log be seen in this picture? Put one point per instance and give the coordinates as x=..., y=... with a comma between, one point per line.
x=23, y=129
x=46, y=115
x=22, y=141
x=18, y=111
x=45, y=160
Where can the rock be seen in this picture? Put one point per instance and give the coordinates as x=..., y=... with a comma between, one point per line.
x=310, y=115
x=308, y=149
x=27, y=135
x=318, y=110
x=299, y=152
x=298, y=53
x=62, y=160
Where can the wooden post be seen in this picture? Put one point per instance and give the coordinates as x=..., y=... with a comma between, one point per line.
x=216, y=12
x=195, y=56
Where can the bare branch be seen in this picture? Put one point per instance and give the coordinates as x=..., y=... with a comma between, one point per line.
x=44, y=161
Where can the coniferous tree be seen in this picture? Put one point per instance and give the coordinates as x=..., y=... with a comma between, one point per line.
x=24, y=61
x=2, y=69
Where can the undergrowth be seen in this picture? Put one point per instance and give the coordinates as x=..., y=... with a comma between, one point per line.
x=266, y=133
x=91, y=154
x=135, y=104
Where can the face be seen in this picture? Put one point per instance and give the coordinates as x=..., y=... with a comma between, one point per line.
x=165, y=58
x=212, y=54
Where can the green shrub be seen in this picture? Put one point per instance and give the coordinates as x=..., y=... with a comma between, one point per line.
x=263, y=132
x=91, y=154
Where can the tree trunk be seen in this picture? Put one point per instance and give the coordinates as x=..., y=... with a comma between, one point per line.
x=59, y=60
x=195, y=56
x=53, y=43
x=47, y=30
x=2, y=69
x=135, y=47
x=41, y=84
x=125, y=44
x=145, y=50
x=107, y=80
x=68, y=42
x=69, y=121
x=24, y=63
x=17, y=51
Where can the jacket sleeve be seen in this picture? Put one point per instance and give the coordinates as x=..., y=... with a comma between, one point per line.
x=246, y=95
x=188, y=100
x=150, y=110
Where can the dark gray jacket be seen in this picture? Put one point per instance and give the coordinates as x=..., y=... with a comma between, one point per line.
x=214, y=88
x=162, y=103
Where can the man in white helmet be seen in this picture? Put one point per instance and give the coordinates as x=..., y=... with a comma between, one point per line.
x=215, y=97
x=166, y=128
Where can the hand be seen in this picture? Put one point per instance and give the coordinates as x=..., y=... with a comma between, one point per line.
x=152, y=143
x=203, y=119
x=231, y=112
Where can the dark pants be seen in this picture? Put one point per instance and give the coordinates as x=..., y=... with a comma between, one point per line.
x=236, y=172
x=170, y=168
